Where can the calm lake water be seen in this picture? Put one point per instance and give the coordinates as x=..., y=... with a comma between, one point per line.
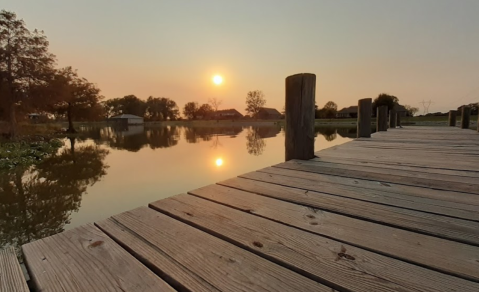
x=108, y=170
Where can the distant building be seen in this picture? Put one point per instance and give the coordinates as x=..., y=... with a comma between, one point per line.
x=348, y=112
x=127, y=119
x=228, y=114
x=268, y=114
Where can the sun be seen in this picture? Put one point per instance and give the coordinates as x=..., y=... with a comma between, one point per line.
x=219, y=162
x=217, y=79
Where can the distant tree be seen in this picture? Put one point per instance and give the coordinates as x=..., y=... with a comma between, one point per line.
x=161, y=108
x=190, y=110
x=472, y=106
x=254, y=102
x=205, y=111
x=411, y=111
x=215, y=103
x=330, y=109
x=130, y=104
x=73, y=97
x=385, y=99
x=112, y=107
x=24, y=60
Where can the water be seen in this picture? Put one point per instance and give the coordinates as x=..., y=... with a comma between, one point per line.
x=105, y=171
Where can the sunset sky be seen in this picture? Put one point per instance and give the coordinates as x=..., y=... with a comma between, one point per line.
x=414, y=49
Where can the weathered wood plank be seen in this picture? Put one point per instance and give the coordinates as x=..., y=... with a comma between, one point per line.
x=379, y=197
x=465, y=201
x=445, y=227
x=11, y=275
x=223, y=266
x=388, y=166
x=422, y=176
x=85, y=259
x=382, y=177
x=314, y=256
x=409, y=246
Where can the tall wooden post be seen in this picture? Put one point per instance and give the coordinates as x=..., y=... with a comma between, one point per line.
x=382, y=118
x=398, y=119
x=392, y=119
x=365, y=108
x=299, y=111
x=465, y=117
x=452, y=118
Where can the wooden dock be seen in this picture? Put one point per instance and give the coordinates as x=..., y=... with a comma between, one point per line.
x=395, y=212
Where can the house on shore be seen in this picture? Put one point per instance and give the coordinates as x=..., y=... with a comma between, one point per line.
x=348, y=112
x=268, y=114
x=352, y=112
x=228, y=114
x=127, y=119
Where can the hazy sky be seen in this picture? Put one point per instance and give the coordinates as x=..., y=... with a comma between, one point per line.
x=414, y=49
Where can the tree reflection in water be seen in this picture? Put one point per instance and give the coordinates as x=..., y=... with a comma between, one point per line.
x=36, y=201
x=329, y=133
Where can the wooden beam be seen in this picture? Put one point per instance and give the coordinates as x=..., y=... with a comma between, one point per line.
x=382, y=116
x=452, y=118
x=11, y=275
x=392, y=119
x=465, y=117
x=364, y=117
x=299, y=109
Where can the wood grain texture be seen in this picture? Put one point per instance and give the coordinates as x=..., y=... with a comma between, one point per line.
x=85, y=259
x=11, y=274
x=464, y=201
x=440, y=226
x=367, y=174
x=314, y=256
x=451, y=209
x=299, y=108
x=428, y=251
x=364, y=117
x=222, y=265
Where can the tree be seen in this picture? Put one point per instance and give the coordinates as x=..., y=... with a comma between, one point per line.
x=130, y=104
x=73, y=97
x=330, y=109
x=385, y=99
x=24, y=60
x=411, y=111
x=255, y=144
x=254, y=102
x=215, y=103
x=205, y=111
x=473, y=106
x=190, y=110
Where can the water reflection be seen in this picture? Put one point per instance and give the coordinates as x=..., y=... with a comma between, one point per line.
x=37, y=201
x=43, y=200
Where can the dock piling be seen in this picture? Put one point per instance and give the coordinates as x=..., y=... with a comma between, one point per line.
x=382, y=118
x=465, y=117
x=364, y=117
x=452, y=118
x=392, y=119
x=299, y=109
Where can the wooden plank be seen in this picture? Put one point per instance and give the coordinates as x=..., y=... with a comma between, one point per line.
x=445, y=227
x=85, y=259
x=11, y=274
x=423, y=176
x=223, y=266
x=382, y=165
x=465, y=201
x=428, y=251
x=314, y=256
x=379, y=197
x=382, y=177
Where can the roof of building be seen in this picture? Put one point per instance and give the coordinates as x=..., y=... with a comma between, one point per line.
x=126, y=116
x=349, y=110
x=399, y=108
x=231, y=111
x=270, y=111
